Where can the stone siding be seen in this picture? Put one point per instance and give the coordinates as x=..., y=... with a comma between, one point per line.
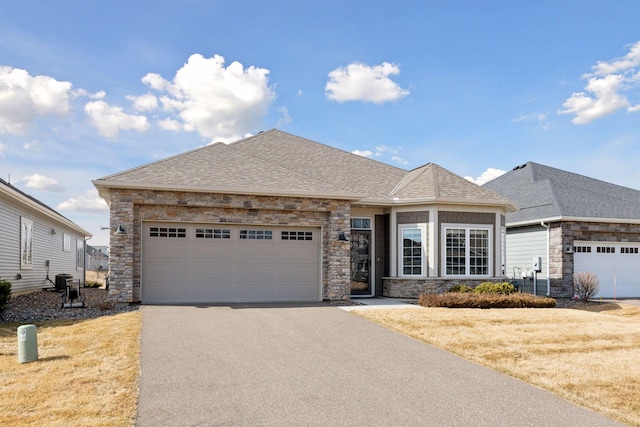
x=413, y=288
x=130, y=208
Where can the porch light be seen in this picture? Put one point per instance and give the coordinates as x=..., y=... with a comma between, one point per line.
x=342, y=237
x=120, y=230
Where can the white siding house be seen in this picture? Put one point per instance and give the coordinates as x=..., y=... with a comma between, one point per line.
x=36, y=242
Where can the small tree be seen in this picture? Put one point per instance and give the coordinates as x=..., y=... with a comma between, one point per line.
x=586, y=285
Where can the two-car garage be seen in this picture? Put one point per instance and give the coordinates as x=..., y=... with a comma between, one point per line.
x=212, y=263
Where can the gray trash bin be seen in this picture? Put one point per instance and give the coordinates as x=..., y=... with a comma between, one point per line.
x=27, y=343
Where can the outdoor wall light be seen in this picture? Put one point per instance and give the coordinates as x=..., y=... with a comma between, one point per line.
x=342, y=237
x=53, y=232
x=120, y=230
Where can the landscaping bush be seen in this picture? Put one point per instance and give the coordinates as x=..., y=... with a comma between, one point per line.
x=485, y=300
x=585, y=285
x=92, y=284
x=504, y=288
x=461, y=288
x=5, y=294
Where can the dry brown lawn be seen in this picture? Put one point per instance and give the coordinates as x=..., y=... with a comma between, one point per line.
x=587, y=356
x=86, y=374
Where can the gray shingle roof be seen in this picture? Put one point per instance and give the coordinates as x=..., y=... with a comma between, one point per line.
x=543, y=192
x=275, y=162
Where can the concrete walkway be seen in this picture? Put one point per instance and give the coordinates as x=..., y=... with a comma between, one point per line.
x=316, y=365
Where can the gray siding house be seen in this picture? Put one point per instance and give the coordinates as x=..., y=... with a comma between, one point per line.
x=277, y=217
x=574, y=223
x=36, y=242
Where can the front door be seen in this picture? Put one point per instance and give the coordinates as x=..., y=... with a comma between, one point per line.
x=360, y=262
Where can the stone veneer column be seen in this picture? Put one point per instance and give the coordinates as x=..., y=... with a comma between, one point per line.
x=121, y=249
x=337, y=255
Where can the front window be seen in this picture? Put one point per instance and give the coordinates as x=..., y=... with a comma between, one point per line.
x=26, y=243
x=467, y=251
x=411, y=251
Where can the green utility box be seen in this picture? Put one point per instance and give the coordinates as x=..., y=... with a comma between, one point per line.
x=27, y=343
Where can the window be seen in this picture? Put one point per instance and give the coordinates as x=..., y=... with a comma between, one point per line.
x=212, y=233
x=296, y=235
x=361, y=223
x=167, y=232
x=256, y=234
x=26, y=243
x=626, y=250
x=79, y=254
x=467, y=251
x=66, y=242
x=606, y=250
x=412, y=251
x=582, y=249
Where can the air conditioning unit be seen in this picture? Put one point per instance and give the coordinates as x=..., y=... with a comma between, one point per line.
x=568, y=249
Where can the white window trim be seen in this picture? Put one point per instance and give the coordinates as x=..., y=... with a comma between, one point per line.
x=423, y=235
x=26, y=244
x=66, y=242
x=467, y=227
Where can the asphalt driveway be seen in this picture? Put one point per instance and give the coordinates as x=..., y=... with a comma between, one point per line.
x=316, y=365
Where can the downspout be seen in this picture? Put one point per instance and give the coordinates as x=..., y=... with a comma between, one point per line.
x=548, y=227
x=84, y=259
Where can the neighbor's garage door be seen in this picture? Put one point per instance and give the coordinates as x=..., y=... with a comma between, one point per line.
x=617, y=265
x=200, y=263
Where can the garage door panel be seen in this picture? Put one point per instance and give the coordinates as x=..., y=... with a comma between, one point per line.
x=617, y=266
x=242, y=266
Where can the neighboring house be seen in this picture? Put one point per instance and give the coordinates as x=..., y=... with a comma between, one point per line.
x=97, y=258
x=36, y=242
x=276, y=217
x=573, y=223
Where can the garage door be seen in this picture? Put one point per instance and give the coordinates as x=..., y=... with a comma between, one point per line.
x=202, y=263
x=616, y=264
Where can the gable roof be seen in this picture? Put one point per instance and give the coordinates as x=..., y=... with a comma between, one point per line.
x=278, y=163
x=31, y=202
x=545, y=193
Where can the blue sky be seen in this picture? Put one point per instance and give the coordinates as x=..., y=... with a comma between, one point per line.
x=88, y=89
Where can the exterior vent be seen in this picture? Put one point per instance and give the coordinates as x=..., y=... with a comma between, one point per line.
x=568, y=249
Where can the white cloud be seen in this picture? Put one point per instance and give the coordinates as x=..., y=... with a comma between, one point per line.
x=146, y=102
x=360, y=82
x=219, y=103
x=82, y=92
x=486, y=176
x=607, y=89
x=2, y=148
x=110, y=120
x=284, y=116
x=539, y=118
x=41, y=182
x=399, y=160
x=170, y=124
x=630, y=60
x=23, y=98
x=365, y=153
x=89, y=202
x=606, y=99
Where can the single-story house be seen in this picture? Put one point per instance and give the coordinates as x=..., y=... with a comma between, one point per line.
x=36, y=242
x=277, y=217
x=573, y=223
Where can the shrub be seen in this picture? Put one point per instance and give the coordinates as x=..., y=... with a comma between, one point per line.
x=485, y=300
x=461, y=288
x=505, y=288
x=585, y=285
x=92, y=284
x=5, y=294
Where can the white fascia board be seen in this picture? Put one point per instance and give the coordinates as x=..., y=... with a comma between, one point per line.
x=573, y=219
x=55, y=216
x=436, y=200
x=104, y=187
